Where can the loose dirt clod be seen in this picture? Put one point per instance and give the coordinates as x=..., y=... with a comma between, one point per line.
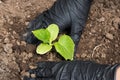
x=32, y=67
x=109, y=36
x=8, y=48
x=24, y=73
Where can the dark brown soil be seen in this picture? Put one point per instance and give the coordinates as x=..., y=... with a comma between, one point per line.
x=100, y=41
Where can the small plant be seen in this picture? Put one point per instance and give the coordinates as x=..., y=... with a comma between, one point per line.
x=64, y=46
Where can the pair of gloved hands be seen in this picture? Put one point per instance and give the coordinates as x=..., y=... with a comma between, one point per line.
x=70, y=15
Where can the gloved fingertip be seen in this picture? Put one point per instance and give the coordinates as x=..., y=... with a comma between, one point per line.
x=41, y=64
x=31, y=71
x=30, y=38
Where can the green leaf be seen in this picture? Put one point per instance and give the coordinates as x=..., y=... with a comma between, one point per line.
x=42, y=34
x=65, y=47
x=54, y=30
x=43, y=48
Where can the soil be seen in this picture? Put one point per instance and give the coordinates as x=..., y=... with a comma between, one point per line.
x=100, y=41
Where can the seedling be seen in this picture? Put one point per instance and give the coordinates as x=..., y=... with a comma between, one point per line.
x=64, y=46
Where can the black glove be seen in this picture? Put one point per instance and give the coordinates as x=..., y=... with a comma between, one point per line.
x=73, y=70
x=69, y=15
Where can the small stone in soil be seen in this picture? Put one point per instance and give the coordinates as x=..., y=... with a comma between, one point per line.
x=28, y=16
x=23, y=73
x=26, y=23
x=8, y=48
x=23, y=43
x=18, y=43
x=109, y=36
x=32, y=67
x=6, y=40
x=30, y=55
x=0, y=1
x=102, y=19
x=33, y=75
x=11, y=22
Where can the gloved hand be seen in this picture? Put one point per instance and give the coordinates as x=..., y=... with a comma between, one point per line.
x=73, y=70
x=69, y=15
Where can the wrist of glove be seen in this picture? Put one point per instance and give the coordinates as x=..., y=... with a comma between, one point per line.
x=73, y=70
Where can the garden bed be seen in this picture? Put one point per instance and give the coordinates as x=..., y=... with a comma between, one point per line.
x=100, y=41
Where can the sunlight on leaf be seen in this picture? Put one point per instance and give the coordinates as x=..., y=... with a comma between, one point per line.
x=43, y=48
x=65, y=47
x=42, y=34
x=54, y=30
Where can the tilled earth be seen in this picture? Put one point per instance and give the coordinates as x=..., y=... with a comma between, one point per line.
x=100, y=41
